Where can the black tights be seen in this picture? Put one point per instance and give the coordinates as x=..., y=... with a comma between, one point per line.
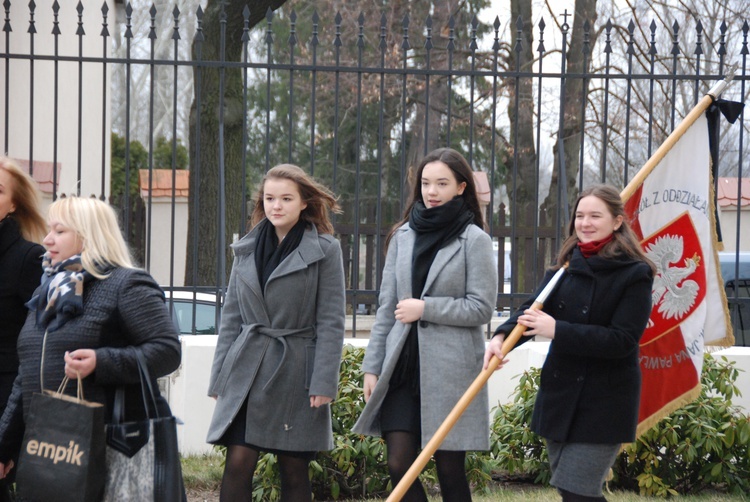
x=574, y=497
x=403, y=449
x=237, y=482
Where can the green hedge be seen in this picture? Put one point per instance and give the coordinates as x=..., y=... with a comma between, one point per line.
x=702, y=445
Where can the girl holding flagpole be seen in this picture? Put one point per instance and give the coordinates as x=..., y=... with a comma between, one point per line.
x=587, y=404
x=439, y=289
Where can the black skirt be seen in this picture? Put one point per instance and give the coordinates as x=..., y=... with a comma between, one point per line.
x=235, y=436
x=400, y=410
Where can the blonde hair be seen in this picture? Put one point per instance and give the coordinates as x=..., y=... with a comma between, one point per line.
x=95, y=222
x=319, y=199
x=25, y=196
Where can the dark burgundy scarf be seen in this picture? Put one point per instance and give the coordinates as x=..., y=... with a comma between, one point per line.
x=589, y=249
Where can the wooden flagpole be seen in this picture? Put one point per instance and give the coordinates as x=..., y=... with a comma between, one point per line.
x=437, y=439
x=711, y=96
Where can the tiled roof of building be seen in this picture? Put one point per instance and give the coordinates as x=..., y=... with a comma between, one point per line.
x=483, y=186
x=726, y=193
x=43, y=174
x=161, y=183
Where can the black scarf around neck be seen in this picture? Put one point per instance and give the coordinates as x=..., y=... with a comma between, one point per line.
x=269, y=253
x=435, y=227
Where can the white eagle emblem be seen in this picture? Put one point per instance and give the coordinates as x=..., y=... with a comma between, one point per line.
x=672, y=292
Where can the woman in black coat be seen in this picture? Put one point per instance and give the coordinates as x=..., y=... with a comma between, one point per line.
x=92, y=307
x=587, y=404
x=21, y=228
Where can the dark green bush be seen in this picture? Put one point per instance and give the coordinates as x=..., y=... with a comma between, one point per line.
x=702, y=445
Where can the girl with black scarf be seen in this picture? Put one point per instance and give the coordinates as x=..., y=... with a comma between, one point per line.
x=276, y=365
x=439, y=289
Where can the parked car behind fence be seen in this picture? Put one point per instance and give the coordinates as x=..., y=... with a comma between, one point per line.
x=735, y=270
x=191, y=307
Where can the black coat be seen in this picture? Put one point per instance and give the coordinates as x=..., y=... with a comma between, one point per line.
x=20, y=270
x=125, y=309
x=591, y=380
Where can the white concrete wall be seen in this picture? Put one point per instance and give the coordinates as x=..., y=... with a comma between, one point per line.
x=188, y=386
x=161, y=233
x=728, y=217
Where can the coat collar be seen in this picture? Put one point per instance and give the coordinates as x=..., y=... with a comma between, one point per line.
x=406, y=238
x=589, y=266
x=308, y=252
x=9, y=234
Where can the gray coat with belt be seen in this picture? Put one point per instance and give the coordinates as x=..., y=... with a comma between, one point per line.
x=460, y=296
x=281, y=346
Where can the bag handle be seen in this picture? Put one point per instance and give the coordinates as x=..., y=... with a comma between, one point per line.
x=147, y=392
x=64, y=383
x=65, y=380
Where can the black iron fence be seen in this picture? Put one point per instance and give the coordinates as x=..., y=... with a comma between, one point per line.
x=356, y=98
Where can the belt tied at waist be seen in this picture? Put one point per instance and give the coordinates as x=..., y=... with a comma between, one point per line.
x=280, y=334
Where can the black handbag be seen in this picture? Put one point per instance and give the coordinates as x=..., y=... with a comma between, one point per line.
x=62, y=454
x=143, y=463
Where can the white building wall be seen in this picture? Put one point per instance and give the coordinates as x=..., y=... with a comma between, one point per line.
x=160, y=237
x=728, y=217
x=92, y=82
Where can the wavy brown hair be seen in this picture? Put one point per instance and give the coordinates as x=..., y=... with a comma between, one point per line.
x=624, y=241
x=25, y=196
x=463, y=173
x=319, y=199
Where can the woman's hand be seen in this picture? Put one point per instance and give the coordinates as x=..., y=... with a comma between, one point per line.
x=368, y=386
x=537, y=323
x=494, y=349
x=5, y=468
x=318, y=401
x=80, y=363
x=409, y=310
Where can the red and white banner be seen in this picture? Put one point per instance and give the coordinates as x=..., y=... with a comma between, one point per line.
x=672, y=212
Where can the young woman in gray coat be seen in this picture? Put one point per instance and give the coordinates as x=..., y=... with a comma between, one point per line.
x=439, y=289
x=587, y=404
x=276, y=365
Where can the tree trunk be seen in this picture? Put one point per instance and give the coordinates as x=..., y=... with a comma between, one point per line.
x=203, y=224
x=522, y=145
x=552, y=212
x=421, y=143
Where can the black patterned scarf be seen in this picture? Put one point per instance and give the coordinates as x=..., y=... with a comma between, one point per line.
x=60, y=296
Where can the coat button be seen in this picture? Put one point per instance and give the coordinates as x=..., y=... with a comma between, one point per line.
x=561, y=306
x=579, y=379
x=585, y=310
x=423, y=324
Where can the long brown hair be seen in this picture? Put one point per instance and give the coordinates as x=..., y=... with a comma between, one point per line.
x=624, y=241
x=319, y=199
x=461, y=171
x=26, y=199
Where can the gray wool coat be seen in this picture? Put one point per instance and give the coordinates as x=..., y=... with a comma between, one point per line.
x=460, y=295
x=282, y=346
